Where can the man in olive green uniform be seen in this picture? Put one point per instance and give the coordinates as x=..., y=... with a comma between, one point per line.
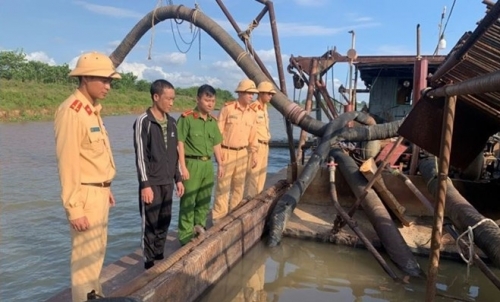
x=86, y=168
x=237, y=124
x=199, y=137
x=256, y=177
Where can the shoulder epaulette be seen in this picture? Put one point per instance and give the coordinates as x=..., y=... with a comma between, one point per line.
x=76, y=105
x=187, y=112
x=256, y=106
x=88, y=110
x=229, y=103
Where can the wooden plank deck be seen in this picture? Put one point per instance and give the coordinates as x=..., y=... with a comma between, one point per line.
x=209, y=259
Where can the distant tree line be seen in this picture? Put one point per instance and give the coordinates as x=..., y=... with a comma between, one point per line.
x=15, y=66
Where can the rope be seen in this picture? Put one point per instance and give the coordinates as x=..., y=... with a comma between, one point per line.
x=189, y=43
x=246, y=35
x=470, y=244
x=240, y=56
x=196, y=33
x=158, y=5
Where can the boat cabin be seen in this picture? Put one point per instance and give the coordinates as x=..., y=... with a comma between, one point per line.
x=389, y=81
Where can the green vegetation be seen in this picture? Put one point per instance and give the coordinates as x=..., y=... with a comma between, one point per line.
x=32, y=90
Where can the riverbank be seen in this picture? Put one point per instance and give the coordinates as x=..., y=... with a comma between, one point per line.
x=31, y=101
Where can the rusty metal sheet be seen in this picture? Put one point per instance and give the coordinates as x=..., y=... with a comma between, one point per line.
x=471, y=129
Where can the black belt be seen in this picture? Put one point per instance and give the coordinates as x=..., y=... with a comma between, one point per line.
x=203, y=158
x=233, y=148
x=98, y=184
x=263, y=142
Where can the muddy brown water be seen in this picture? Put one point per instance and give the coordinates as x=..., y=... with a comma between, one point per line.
x=35, y=242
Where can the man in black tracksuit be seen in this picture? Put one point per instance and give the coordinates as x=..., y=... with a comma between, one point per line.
x=155, y=144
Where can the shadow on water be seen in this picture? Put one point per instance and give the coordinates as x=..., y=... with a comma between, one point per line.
x=299, y=270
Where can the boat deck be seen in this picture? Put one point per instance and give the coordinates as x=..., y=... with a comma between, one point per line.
x=312, y=220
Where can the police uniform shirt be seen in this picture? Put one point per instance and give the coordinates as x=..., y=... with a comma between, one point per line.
x=198, y=135
x=83, y=150
x=237, y=126
x=262, y=121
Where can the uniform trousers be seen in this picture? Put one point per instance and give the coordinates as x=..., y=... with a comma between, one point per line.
x=232, y=183
x=195, y=203
x=256, y=177
x=156, y=218
x=88, y=248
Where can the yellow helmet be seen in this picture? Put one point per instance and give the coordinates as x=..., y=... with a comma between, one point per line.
x=95, y=64
x=246, y=85
x=266, y=86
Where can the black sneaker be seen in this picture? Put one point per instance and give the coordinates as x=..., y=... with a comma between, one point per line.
x=149, y=264
x=159, y=257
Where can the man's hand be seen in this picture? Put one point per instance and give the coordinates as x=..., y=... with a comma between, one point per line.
x=180, y=189
x=80, y=224
x=185, y=173
x=112, y=200
x=147, y=195
x=220, y=171
x=254, y=162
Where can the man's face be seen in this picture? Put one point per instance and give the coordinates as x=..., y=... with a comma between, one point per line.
x=165, y=100
x=206, y=103
x=246, y=97
x=265, y=97
x=97, y=87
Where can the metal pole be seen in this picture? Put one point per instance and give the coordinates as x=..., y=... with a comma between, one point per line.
x=444, y=164
x=281, y=74
x=250, y=48
x=481, y=84
x=419, y=82
x=353, y=41
x=440, y=31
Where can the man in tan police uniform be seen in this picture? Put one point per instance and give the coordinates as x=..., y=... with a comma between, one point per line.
x=256, y=177
x=86, y=168
x=237, y=124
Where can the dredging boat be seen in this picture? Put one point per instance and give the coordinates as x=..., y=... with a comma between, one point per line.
x=421, y=158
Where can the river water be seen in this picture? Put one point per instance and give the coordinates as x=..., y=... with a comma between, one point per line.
x=34, y=233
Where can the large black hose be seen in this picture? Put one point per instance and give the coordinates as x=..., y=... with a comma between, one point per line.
x=462, y=214
x=354, y=226
x=389, y=235
x=287, y=203
x=335, y=132
x=293, y=112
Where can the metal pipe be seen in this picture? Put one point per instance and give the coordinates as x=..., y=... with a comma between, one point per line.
x=249, y=46
x=260, y=15
x=308, y=106
x=353, y=41
x=420, y=70
x=481, y=84
x=457, y=56
x=281, y=75
x=354, y=96
x=444, y=164
x=276, y=42
x=317, y=95
x=353, y=225
x=331, y=106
